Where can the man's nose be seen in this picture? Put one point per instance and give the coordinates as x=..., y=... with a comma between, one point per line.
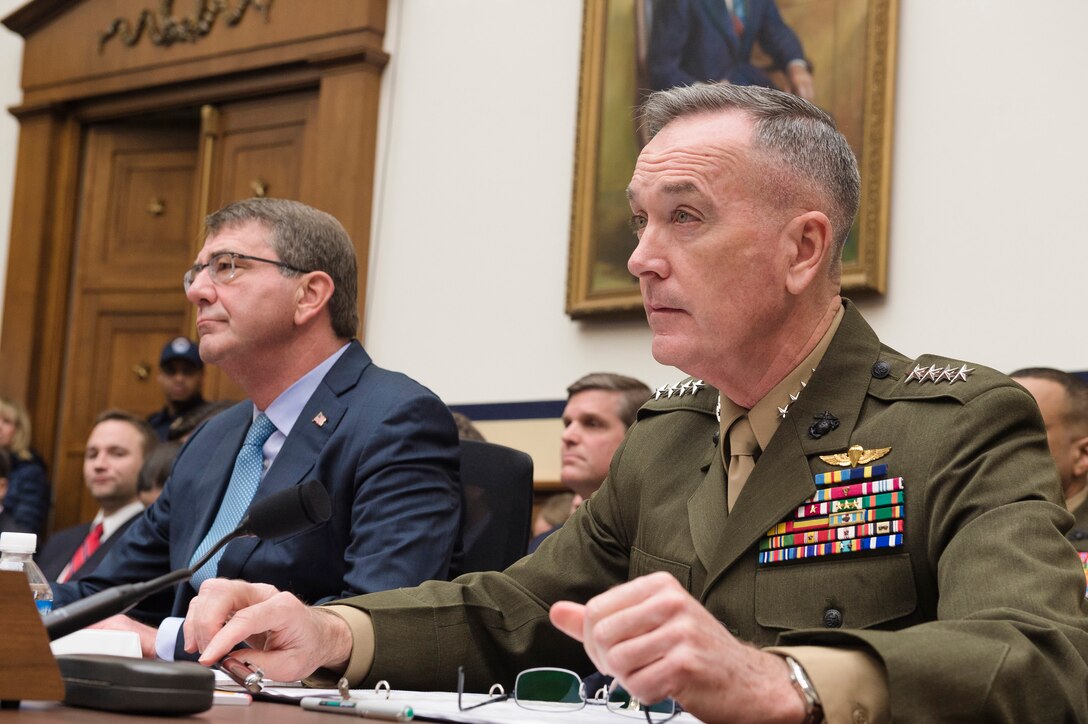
x=647, y=257
x=201, y=287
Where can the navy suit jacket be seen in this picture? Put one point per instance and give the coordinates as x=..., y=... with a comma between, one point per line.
x=694, y=41
x=387, y=452
x=63, y=544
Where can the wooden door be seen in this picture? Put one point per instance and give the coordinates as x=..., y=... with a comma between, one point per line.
x=135, y=235
x=256, y=148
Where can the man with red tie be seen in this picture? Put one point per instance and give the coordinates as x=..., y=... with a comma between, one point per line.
x=111, y=465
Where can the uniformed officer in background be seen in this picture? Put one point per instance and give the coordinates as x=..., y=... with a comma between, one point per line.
x=811, y=525
x=1063, y=403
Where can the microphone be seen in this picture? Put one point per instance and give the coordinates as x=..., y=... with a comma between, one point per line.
x=282, y=513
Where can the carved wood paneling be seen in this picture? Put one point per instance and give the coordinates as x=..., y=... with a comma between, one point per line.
x=324, y=60
x=114, y=333
x=139, y=205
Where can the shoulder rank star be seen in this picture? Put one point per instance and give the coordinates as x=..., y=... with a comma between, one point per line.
x=856, y=455
x=678, y=389
x=935, y=374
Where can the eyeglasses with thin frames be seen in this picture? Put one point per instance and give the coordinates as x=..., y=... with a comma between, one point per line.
x=223, y=269
x=562, y=690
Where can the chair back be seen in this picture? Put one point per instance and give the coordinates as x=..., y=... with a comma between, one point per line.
x=498, y=486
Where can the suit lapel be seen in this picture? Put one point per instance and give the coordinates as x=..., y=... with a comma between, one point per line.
x=723, y=23
x=707, y=512
x=213, y=483
x=300, y=452
x=783, y=479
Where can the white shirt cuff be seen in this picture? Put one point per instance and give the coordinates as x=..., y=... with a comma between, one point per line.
x=166, y=640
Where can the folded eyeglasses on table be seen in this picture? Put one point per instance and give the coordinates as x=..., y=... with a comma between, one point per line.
x=559, y=690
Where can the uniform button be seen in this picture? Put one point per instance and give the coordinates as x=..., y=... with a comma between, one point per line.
x=832, y=618
x=717, y=437
x=860, y=716
x=881, y=369
x=1078, y=534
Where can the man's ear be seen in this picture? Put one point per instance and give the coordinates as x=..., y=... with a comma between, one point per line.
x=808, y=237
x=312, y=296
x=1080, y=459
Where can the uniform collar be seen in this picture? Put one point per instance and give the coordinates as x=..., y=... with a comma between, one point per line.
x=768, y=413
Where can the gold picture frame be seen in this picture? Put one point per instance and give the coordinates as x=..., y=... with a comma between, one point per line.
x=851, y=45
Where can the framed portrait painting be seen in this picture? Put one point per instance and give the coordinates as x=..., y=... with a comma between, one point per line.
x=849, y=46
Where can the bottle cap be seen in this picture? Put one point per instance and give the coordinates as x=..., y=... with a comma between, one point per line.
x=18, y=542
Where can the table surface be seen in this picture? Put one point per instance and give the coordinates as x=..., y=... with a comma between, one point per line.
x=256, y=713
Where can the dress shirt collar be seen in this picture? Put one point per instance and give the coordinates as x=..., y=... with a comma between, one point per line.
x=113, y=521
x=285, y=409
x=765, y=415
x=1074, y=501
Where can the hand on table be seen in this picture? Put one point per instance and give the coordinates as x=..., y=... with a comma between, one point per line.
x=121, y=622
x=289, y=640
x=660, y=642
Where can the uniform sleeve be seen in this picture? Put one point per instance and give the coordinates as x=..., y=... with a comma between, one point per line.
x=496, y=624
x=1009, y=642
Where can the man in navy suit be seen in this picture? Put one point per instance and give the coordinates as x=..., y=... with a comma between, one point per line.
x=703, y=41
x=115, y=452
x=275, y=294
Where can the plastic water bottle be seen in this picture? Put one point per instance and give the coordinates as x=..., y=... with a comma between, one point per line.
x=17, y=554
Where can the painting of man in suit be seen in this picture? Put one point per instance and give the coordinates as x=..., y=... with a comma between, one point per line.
x=704, y=41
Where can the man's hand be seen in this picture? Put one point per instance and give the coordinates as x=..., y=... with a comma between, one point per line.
x=660, y=642
x=289, y=639
x=121, y=622
x=801, y=80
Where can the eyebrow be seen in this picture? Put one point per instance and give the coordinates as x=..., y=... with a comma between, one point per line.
x=680, y=187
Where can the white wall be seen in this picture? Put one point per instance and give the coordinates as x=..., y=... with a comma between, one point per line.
x=473, y=208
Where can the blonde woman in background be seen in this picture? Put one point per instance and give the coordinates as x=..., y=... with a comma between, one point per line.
x=28, y=497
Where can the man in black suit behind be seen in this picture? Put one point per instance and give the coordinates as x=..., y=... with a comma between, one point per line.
x=116, y=449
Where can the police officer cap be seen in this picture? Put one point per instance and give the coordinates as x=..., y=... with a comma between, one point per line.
x=181, y=348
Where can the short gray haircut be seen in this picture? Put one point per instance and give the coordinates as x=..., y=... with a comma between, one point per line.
x=305, y=238
x=633, y=393
x=799, y=142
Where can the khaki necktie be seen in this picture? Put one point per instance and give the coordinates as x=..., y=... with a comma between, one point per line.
x=743, y=453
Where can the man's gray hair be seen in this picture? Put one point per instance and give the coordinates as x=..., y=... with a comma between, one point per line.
x=633, y=393
x=799, y=142
x=305, y=238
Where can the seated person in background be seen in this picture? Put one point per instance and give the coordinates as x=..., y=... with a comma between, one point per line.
x=29, y=492
x=181, y=375
x=8, y=524
x=681, y=576
x=182, y=427
x=600, y=408
x=276, y=309
x=466, y=430
x=155, y=471
x=553, y=513
x=1063, y=402
x=116, y=449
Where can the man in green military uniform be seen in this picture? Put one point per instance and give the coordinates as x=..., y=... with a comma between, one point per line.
x=1063, y=403
x=811, y=525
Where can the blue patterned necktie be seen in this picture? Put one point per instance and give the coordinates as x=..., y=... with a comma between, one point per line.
x=248, y=468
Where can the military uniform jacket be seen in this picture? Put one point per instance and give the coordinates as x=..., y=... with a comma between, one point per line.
x=979, y=614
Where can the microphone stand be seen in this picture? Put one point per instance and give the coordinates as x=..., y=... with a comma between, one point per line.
x=119, y=599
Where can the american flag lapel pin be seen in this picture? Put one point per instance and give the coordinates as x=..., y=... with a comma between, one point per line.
x=320, y=419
